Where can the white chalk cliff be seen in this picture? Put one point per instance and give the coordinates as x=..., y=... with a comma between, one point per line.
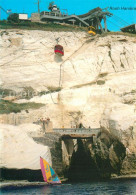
x=18, y=150
x=96, y=78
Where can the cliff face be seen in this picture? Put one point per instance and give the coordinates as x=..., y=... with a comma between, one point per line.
x=120, y=121
x=17, y=147
x=93, y=84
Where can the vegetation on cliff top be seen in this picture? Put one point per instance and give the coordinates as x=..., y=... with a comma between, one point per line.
x=7, y=107
x=28, y=25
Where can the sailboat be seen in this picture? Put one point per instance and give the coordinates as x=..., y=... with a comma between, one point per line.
x=48, y=173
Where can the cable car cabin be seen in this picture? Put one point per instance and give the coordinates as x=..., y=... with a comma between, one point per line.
x=58, y=49
x=91, y=30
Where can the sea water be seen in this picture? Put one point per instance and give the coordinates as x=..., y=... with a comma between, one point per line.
x=112, y=187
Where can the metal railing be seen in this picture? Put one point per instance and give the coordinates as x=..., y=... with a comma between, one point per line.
x=52, y=14
x=94, y=131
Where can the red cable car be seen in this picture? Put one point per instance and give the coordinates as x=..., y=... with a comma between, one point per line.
x=58, y=49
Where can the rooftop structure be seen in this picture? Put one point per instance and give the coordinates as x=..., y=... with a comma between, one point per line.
x=92, y=18
x=130, y=28
x=23, y=16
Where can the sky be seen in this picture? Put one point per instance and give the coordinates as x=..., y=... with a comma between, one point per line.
x=124, y=11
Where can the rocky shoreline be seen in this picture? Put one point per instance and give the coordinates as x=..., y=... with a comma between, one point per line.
x=24, y=183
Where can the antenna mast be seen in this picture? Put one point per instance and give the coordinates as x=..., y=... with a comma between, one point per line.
x=1, y=8
x=38, y=3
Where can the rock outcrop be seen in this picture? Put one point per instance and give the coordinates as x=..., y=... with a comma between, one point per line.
x=120, y=121
x=19, y=150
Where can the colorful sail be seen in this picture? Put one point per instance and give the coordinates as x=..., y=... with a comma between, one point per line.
x=48, y=173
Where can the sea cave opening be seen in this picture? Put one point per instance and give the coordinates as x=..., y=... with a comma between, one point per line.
x=82, y=167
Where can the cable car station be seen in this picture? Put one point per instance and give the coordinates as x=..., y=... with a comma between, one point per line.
x=92, y=18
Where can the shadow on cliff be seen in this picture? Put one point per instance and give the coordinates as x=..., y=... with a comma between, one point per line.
x=58, y=59
x=21, y=174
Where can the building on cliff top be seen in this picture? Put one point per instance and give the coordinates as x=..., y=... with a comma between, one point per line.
x=92, y=18
x=130, y=28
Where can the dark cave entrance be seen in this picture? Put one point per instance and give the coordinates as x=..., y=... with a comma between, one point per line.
x=82, y=166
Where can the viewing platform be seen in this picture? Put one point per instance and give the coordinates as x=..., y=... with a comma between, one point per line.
x=77, y=132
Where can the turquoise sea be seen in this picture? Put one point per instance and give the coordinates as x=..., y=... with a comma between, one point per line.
x=112, y=187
